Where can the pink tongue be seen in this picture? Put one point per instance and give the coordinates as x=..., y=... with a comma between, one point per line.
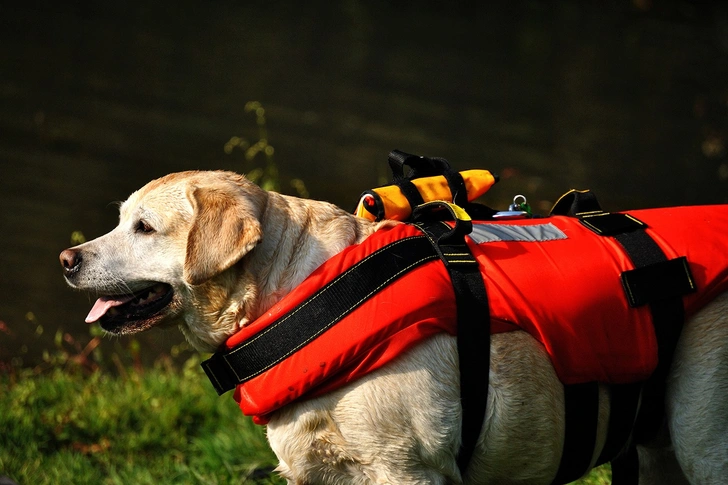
x=103, y=304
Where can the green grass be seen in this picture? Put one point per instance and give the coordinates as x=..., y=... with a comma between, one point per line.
x=160, y=426
x=598, y=476
x=74, y=419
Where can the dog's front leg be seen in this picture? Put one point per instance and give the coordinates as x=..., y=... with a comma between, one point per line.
x=397, y=425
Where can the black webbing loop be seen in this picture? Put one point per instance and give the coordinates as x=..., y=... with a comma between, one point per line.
x=473, y=325
x=397, y=160
x=326, y=307
x=457, y=187
x=419, y=166
x=576, y=203
x=410, y=192
x=658, y=281
x=425, y=167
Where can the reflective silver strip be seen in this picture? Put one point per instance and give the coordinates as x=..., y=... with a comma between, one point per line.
x=485, y=233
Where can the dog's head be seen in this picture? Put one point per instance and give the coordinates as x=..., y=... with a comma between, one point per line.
x=178, y=240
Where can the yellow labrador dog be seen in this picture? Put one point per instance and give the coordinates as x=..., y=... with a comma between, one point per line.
x=210, y=252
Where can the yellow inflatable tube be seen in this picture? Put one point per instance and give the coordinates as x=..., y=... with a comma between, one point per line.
x=389, y=202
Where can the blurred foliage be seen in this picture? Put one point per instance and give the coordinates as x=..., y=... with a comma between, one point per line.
x=266, y=175
x=77, y=238
x=85, y=351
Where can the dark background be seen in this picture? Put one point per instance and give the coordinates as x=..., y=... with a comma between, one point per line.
x=628, y=98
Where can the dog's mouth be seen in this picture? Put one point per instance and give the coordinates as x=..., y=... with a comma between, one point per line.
x=131, y=313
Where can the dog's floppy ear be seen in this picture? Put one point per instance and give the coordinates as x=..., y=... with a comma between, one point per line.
x=223, y=231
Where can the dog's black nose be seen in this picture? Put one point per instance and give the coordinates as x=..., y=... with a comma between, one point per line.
x=70, y=260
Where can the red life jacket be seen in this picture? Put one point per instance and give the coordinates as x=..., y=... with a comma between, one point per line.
x=551, y=277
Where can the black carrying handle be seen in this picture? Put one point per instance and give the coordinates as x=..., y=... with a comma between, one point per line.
x=419, y=166
x=575, y=203
x=424, y=167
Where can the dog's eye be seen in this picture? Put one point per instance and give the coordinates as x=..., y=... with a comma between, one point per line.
x=143, y=227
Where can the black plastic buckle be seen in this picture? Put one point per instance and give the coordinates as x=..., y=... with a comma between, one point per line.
x=220, y=373
x=449, y=242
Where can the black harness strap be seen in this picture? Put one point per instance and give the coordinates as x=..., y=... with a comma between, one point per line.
x=626, y=468
x=656, y=281
x=624, y=403
x=581, y=409
x=659, y=283
x=473, y=325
